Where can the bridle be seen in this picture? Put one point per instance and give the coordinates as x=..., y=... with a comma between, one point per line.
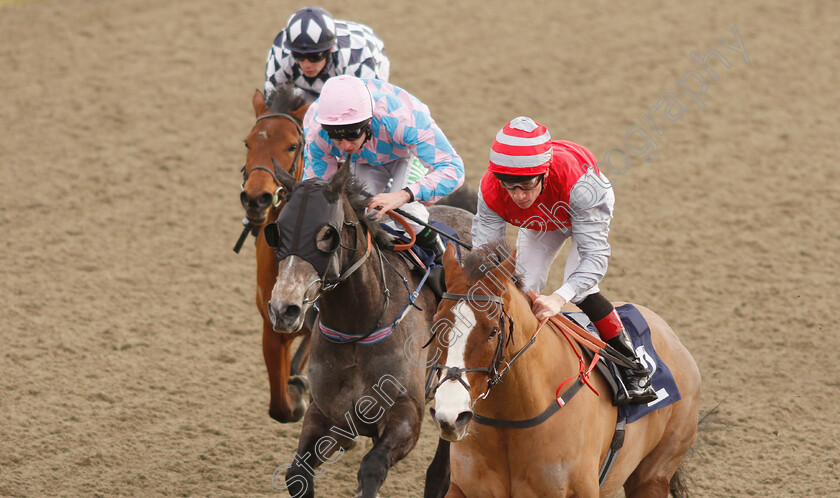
x=295, y=171
x=498, y=366
x=495, y=371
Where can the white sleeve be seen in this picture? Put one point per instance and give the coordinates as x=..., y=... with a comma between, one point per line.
x=487, y=225
x=591, y=204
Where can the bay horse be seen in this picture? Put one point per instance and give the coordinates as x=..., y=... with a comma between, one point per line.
x=276, y=138
x=484, y=326
x=367, y=366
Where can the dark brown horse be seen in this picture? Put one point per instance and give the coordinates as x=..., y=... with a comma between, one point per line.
x=367, y=366
x=487, y=382
x=276, y=138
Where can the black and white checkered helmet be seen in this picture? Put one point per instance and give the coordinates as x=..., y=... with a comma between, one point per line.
x=310, y=30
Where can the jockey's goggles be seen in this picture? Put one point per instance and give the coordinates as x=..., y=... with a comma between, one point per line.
x=526, y=185
x=347, y=132
x=316, y=57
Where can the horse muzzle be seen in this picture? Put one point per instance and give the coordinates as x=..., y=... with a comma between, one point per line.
x=286, y=318
x=256, y=209
x=452, y=429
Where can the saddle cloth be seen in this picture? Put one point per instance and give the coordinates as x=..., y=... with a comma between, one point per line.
x=639, y=332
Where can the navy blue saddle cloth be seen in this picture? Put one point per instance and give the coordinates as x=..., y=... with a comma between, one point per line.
x=662, y=380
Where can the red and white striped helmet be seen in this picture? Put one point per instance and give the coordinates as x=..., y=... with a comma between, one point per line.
x=522, y=148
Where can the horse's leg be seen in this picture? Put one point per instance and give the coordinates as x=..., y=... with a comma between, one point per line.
x=301, y=473
x=399, y=435
x=301, y=358
x=455, y=492
x=288, y=402
x=652, y=477
x=437, y=475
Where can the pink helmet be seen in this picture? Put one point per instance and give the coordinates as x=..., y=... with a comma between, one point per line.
x=521, y=148
x=344, y=100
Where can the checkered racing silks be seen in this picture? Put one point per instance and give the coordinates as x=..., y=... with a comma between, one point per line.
x=358, y=52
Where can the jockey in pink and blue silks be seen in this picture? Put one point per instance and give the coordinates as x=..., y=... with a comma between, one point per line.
x=382, y=128
x=553, y=191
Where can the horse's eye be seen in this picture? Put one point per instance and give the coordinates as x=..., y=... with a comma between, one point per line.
x=327, y=239
x=246, y=144
x=293, y=147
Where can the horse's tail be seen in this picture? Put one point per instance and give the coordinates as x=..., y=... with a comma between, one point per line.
x=464, y=198
x=679, y=481
x=679, y=484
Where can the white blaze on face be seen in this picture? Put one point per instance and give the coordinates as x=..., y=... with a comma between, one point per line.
x=451, y=398
x=292, y=281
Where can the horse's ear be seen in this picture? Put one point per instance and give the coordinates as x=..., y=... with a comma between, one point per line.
x=259, y=103
x=283, y=176
x=335, y=185
x=300, y=112
x=451, y=268
x=506, y=270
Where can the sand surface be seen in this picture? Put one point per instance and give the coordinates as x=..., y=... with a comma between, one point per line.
x=130, y=359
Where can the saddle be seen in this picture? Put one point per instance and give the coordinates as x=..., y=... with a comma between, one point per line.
x=662, y=380
x=421, y=259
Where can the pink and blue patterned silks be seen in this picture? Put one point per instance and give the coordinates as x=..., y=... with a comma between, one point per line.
x=402, y=126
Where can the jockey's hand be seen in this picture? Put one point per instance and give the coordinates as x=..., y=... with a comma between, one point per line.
x=387, y=202
x=547, y=306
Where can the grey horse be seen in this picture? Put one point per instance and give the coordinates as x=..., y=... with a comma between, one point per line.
x=367, y=363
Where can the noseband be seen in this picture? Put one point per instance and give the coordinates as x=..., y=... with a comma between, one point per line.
x=494, y=372
x=294, y=171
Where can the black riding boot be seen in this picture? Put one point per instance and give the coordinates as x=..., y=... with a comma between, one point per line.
x=636, y=380
x=431, y=240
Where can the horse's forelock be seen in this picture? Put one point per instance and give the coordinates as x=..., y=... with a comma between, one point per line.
x=359, y=198
x=284, y=98
x=482, y=260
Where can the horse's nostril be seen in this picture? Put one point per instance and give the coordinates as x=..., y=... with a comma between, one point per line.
x=291, y=312
x=264, y=200
x=463, y=419
x=244, y=199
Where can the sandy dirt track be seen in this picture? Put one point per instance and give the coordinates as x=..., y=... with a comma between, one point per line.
x=130, y=360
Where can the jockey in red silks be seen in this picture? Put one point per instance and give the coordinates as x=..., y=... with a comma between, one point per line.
x=553, y=190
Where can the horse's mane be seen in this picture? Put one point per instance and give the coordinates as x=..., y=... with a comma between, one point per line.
x=285, y=97
x=482, y=260
x=359, y=198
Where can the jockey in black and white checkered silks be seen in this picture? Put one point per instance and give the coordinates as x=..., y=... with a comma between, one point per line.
x=314, y=47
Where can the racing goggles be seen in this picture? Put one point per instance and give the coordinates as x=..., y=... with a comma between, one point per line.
x=316, y=57
x=347, y=132
x=526, y=185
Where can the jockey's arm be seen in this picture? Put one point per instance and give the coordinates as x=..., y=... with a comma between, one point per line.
x=446, y=169
x=591, y=208
x=276, y=70
x=487, y=225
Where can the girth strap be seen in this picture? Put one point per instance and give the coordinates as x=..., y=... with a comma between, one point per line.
x=612, y=454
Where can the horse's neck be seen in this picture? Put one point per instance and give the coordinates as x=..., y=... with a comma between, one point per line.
x=356, y=303
x=533, y=378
